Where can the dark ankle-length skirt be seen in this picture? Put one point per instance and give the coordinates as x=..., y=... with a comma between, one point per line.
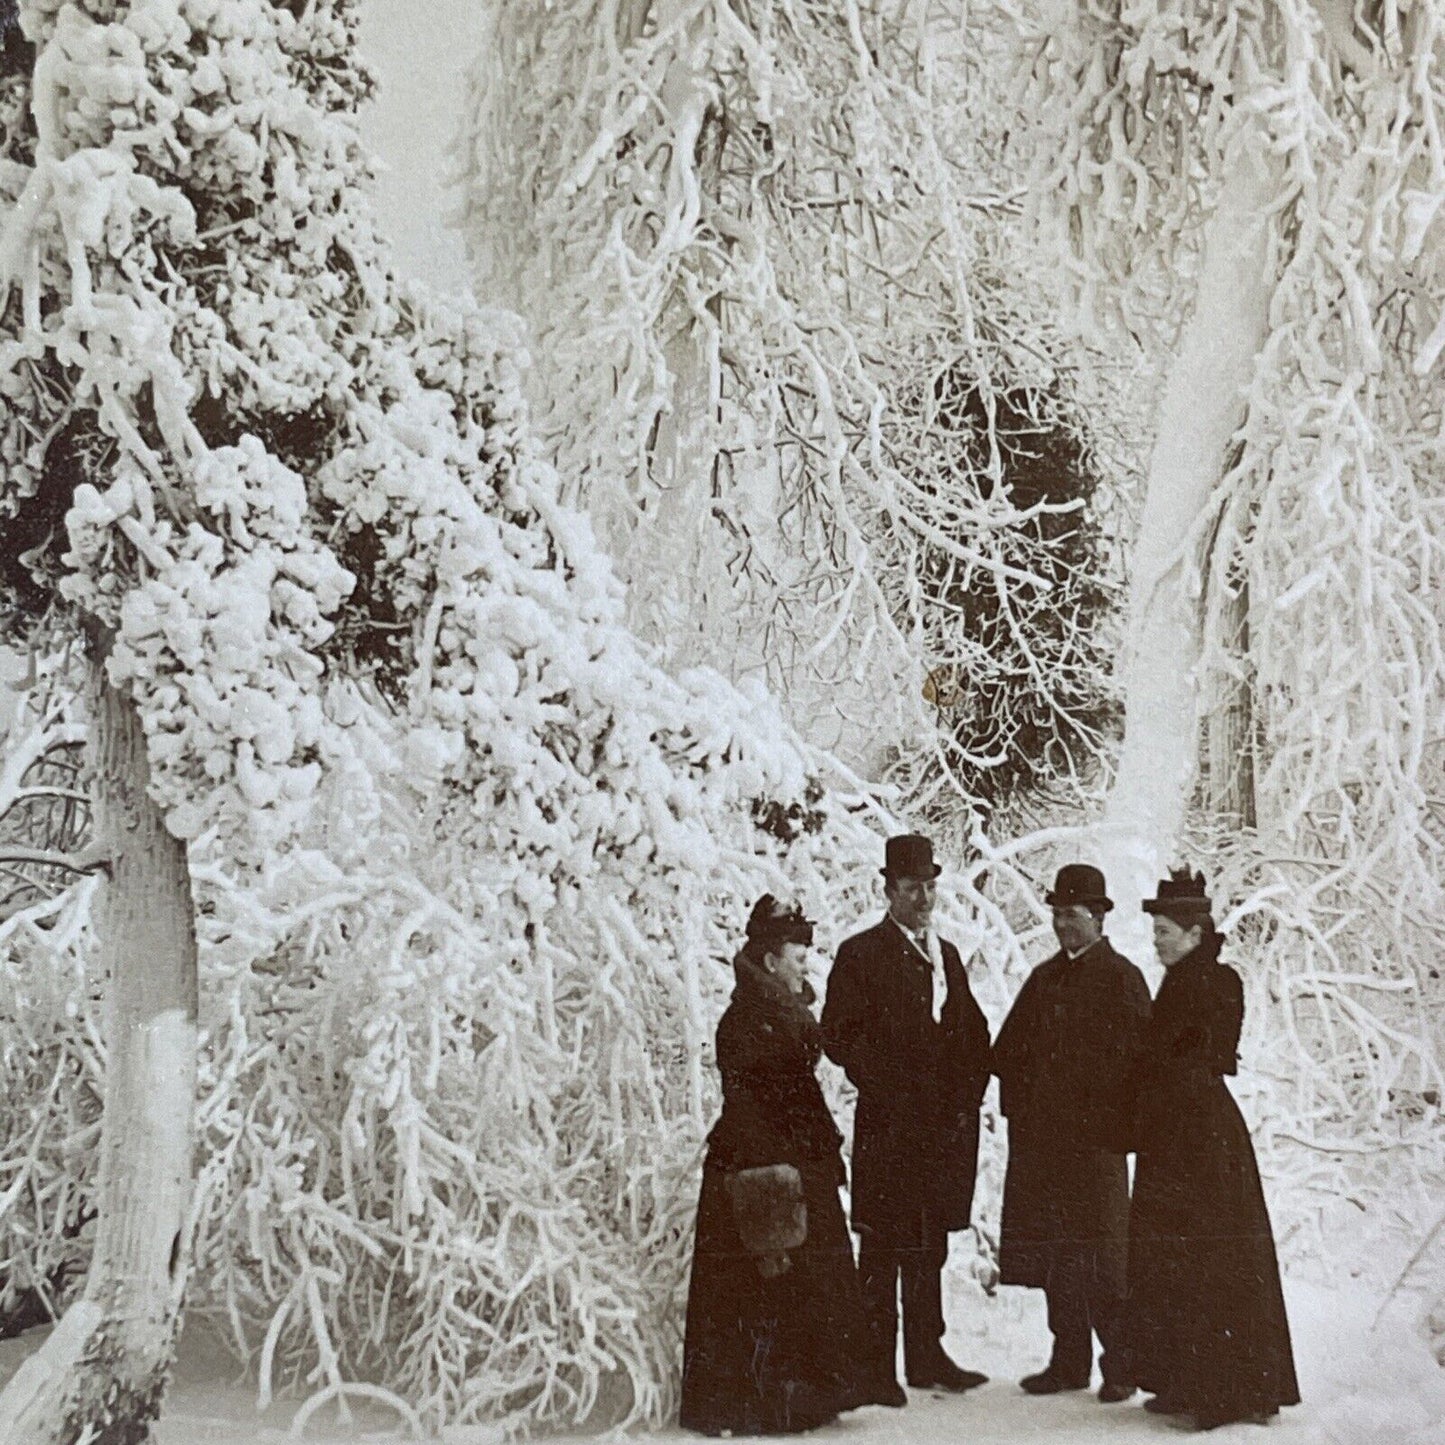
x=770, y=1356
x=1207, y=1319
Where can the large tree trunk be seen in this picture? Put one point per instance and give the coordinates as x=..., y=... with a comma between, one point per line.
x=1203, y=406
x=1230, y=723
x=679, y=537
x=104, y=1369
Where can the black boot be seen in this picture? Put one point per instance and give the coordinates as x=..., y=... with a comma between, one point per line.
x=1052, y=1381
x=944, y=1374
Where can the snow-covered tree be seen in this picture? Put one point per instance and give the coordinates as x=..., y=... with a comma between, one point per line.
x=142, y=350
x=1254, y=193
x=761, y=289
x=49, y=1074
x=391, y=813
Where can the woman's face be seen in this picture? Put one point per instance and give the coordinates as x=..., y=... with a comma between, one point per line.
x=789, y=962
x=1171, y=942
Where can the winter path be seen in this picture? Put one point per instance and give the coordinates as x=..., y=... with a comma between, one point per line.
x=1360, y=1387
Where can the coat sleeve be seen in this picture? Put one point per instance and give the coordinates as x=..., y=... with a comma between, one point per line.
x=975, y=1055
x=1010, y=1056
x=1209, y=1044
x=1228, y=1023
x=1125, y=1045
x=850, y=1034
x=749, y=1134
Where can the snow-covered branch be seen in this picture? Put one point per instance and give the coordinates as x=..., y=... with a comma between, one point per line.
x=775, y=247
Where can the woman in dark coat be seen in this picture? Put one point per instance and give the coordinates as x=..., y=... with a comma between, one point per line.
x=1207, y=1316
x=776, y=1340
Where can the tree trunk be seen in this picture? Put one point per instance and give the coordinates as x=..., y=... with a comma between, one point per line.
x=100, y=1377
x=1229, y=724
x=1203, y=406
x=679, y=537
x=680, y=508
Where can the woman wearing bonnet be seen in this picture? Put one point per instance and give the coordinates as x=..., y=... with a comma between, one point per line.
x=776, y=1341
x=1207, y=1319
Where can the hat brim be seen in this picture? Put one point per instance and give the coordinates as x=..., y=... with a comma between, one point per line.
x=1170, y=906
x=793, y=931
x=896, y=873
x=1087, y=900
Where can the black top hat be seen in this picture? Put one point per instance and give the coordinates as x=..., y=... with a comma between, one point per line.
x=772, y=924
x=909, y=855
x=1078, y=883
x=1180, y=895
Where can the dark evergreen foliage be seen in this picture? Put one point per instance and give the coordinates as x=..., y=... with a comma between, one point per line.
x=1020, y=673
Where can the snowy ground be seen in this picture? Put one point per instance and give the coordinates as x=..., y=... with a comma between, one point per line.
x=1362, y=1386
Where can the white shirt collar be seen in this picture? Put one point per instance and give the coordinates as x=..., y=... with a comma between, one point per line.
x=914, y=938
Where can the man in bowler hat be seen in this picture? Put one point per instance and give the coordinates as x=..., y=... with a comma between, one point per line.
x=1063, y=1058
x=902, y=1021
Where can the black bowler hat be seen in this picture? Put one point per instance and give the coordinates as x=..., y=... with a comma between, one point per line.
x=910, y=855
x=1180, y=896
x=1079, y=883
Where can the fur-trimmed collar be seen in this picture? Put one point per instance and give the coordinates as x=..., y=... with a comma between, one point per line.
x=757, y=986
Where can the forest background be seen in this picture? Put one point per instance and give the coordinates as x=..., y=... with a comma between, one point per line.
x=1016, y=422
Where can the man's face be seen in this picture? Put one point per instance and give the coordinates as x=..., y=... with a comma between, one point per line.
x=911, y=900
x=1076, y=928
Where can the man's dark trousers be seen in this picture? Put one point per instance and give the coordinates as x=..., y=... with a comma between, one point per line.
x=882, y=1264
x=1080, y=1306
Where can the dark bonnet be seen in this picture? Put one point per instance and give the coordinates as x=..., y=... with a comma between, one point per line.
x=1181, y=898
x=772, y=924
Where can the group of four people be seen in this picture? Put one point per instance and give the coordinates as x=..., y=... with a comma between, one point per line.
x=1181, y=1285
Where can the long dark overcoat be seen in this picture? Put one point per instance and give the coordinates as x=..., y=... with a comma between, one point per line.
x=762, y=1354
x=919, y=1082
x=1207, y=1317
x=1064, y=1058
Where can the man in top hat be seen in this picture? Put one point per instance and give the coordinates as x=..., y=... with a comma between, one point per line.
x=902, y=1021
x=1063, y=1058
